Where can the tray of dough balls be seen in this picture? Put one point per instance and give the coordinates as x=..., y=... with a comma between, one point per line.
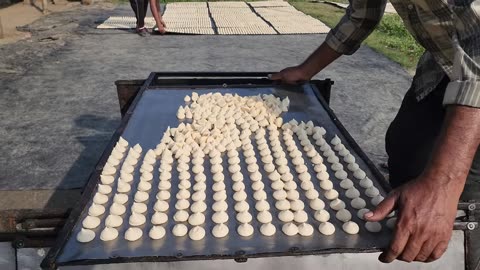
x=228, y=173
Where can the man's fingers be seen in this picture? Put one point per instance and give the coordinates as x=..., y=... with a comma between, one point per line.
x=438, y=251
x=399, y=240
x=275, y=76
x=383, y=209
x=412, y=248
x=425, y=251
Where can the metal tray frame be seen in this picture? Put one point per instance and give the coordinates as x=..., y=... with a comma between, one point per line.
x=173, y=79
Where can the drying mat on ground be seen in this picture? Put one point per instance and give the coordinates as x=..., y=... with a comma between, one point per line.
x=229, y=18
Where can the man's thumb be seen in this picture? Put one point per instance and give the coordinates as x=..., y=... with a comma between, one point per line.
x=383, y=209
x=275, y=76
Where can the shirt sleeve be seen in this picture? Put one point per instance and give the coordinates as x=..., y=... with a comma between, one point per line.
x=359, y=21
x=464, y=88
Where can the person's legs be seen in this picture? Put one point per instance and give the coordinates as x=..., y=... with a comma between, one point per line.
x=140, y=9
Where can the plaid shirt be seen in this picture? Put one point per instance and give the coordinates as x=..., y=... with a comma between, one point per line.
x=448, y=29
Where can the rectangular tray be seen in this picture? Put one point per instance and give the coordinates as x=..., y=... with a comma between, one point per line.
x=151, y=112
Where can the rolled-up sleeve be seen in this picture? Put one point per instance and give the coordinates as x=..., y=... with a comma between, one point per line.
x=359, y=21
x=464, y=88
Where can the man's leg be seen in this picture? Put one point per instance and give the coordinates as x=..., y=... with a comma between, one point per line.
x=139, y=8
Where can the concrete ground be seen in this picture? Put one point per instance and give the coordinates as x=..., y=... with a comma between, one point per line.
x=59, y=105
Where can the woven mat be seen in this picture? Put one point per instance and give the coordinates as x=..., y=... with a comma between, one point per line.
x=228, y=18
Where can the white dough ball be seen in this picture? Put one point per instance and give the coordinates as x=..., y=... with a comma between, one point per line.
x=377, y=200
x=117, y=209
x=157, y=232
x=179, y=230
x=219, y=206
x=337, y=204
x=181, y=216
x=85, y=235
x=372, y=192
x=196, y=219
x=359, y=174
x=108, y=234
x=159, y=218
x=341, y=175
x=133, y=234
x=96, y=210
x=331, y=194
x=267, y=229
x=322, y=215
x=286, y=216
x=293, y=195
x=300, y=216
x=358, y=203
x=350, y=227
x=277, y=185
x=326, y=228
x=262, y=206
x=311, y=194
x=197, y=233
x=139, y=208
x=326, y=184
x=352, y=193
x=245, y=230
x=305, y=229
x=391, y=223
x=373, y=226
x=264, y=217
x=241, y=206
x=290, y=229
x=113, y=221
x=244, y=217
x=366, y=183
x=90, y=222
x=323, y=176
x=346, y=184
x=343, y=215
x=220, y=230
x=317, y=204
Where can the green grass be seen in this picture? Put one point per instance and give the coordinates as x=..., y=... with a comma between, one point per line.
x=390, y=38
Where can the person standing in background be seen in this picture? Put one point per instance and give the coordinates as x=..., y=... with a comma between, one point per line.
x=140, y=9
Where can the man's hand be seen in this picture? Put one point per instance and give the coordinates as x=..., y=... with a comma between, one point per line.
x=426, y=211
x=291, y=75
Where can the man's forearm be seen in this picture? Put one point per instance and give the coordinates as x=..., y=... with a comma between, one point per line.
x=155, y=12
x=456, y=148
x=319, y=59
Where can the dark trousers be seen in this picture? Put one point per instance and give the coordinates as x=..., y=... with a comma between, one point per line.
x=409, y=143
x=140, y=8
x=411, y=138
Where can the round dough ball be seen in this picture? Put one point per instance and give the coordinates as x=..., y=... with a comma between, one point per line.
x=274, y=176
x=311, y=194
x=200, y=186
x=182, y=204
x=377, y=200
x=258, y=185
x=267, y=229
x=277, y=185
x=241, y=206
x=322, y=215
x=157, y=232
x=269, y=168
x=337, y=166
x=326, y=228
x=282, y=205
x=139, y=208
x=137, y=219
x=197, y=233
x=264, y=217
x=326, y=185
x=286, y=216
x=358, y=203
x=159, y=218
x=181, y=216
x=262, y=206
x=260, y=195
x=218, y=186
x=283, y=169
x=359, y=174
x=290, y=229
x=161, y=206
x=113, y=221
x=305, y=229
x=353, y=167
x=362, y=212
x=350, y=227
x=236, y=177
x=141, y=196
x=317, y=204
x=349, y=158
x=117, y=209
x=240, y=196
x=219, y=206
x=366, y=183
x=293, y=195
x=372, y=192
x=133, y=234
x=343, y=215
x=280, y=195
x=90, y=222
x=391, y=223
x=304, y=177
x=256, y=176
x=108, y=234
x=104, y=189
x=337, y=204
x=201, y=195
x=373, y=226
x=201, y=177
x=85, y=235
x=289, y=185
x=300, y=216
x=341, y=175
x=333, y=159
x=120, y=198
x=220, y=217
x=352, y=193
x=220, y=230
x=346, y=184
x=100, y=198
x=245, y=230
x=322, y=175
x=179, y=230
x=196, y=219
x=331, y=194
x=163, y=195
x=335, y=140
x=244, y=217
x=287, y=177
x=317, y=159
